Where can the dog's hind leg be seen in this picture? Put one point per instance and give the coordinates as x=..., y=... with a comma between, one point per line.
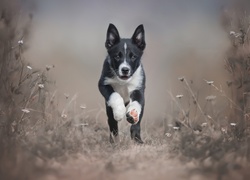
x=135, y=131
x=114, y=136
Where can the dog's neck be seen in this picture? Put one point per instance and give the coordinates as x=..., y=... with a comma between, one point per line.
x=134, y=79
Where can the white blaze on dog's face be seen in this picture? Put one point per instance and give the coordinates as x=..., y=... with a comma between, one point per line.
x=124, y=55
x=124, y=69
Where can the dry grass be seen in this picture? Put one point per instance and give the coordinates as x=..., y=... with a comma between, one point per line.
x=201, y=136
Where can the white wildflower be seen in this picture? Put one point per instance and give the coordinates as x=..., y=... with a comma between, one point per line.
x=181, y=78
x=210, y=82
x=20, y=42
x=176, y=128
x=179, y=96
x=232, y=33
x=82, y=106
x=168, y=134
x=233, y=124
x=64, y=116
x=224, y=130
x=238, y=35
x=48, y=67
x=209, y=117
x=41, y=86
x=26, y=110
x=210, y=98
x=203, y=124
x=29, y=67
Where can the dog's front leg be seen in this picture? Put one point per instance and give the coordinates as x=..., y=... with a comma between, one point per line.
x=135, y=107
x=113, y=100
x=116, y=102
x=115, y=109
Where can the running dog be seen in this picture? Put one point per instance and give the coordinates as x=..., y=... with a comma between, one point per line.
x=122, y=81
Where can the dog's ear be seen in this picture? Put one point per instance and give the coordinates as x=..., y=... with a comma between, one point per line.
x=138, y=37
x=112, y=36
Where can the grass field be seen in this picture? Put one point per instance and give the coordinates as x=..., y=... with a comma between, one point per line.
x=46, y=136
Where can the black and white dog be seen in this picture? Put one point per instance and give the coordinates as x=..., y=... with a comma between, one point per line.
x=122, y=82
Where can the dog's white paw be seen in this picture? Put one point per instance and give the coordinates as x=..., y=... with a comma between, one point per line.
x=133, y=112
x=117, y=104
x=119, y=112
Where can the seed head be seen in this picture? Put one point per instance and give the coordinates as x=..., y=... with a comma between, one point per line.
x=224, y=130
x=20, y=42
x=232, y=33
x=210, y=82
x=176, y=128
x=233, y=124
x=41, y=86
x=210, y=98
x=168, y=134
x=66, y=95
x=181, y=79
x=64, y=116
x=179, y=96
x=83, y=106
x=203, y=124
x=26, y=110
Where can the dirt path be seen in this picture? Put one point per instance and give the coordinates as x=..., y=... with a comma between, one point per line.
x=136, y=162
x=121, y=163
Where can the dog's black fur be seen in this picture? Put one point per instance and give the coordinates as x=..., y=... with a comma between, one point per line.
x=122, y=82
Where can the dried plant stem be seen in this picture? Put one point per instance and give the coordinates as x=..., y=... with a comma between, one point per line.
x=28, y=100
x=73, y=99
x=4, y=59
x=182, y=110
x=195, y=99
x=224, y=95
x=22, y=68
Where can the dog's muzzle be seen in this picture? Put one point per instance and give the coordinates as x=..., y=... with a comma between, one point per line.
x=124, y=73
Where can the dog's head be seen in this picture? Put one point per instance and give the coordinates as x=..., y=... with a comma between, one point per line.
x=125, y=54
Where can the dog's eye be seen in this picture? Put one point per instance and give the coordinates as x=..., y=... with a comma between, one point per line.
x=118, y=56
x=132, y=56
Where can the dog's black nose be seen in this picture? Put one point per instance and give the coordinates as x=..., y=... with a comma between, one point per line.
x=125, y=70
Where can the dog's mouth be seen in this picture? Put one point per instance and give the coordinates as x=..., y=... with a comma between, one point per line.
x=124, y=77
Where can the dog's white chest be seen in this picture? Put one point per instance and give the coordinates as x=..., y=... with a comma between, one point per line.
x=126, y=87
x=122, y=90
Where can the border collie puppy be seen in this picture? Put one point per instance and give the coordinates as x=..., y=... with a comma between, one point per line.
x=122, y=82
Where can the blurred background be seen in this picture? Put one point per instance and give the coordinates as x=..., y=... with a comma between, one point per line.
x=184, y=38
